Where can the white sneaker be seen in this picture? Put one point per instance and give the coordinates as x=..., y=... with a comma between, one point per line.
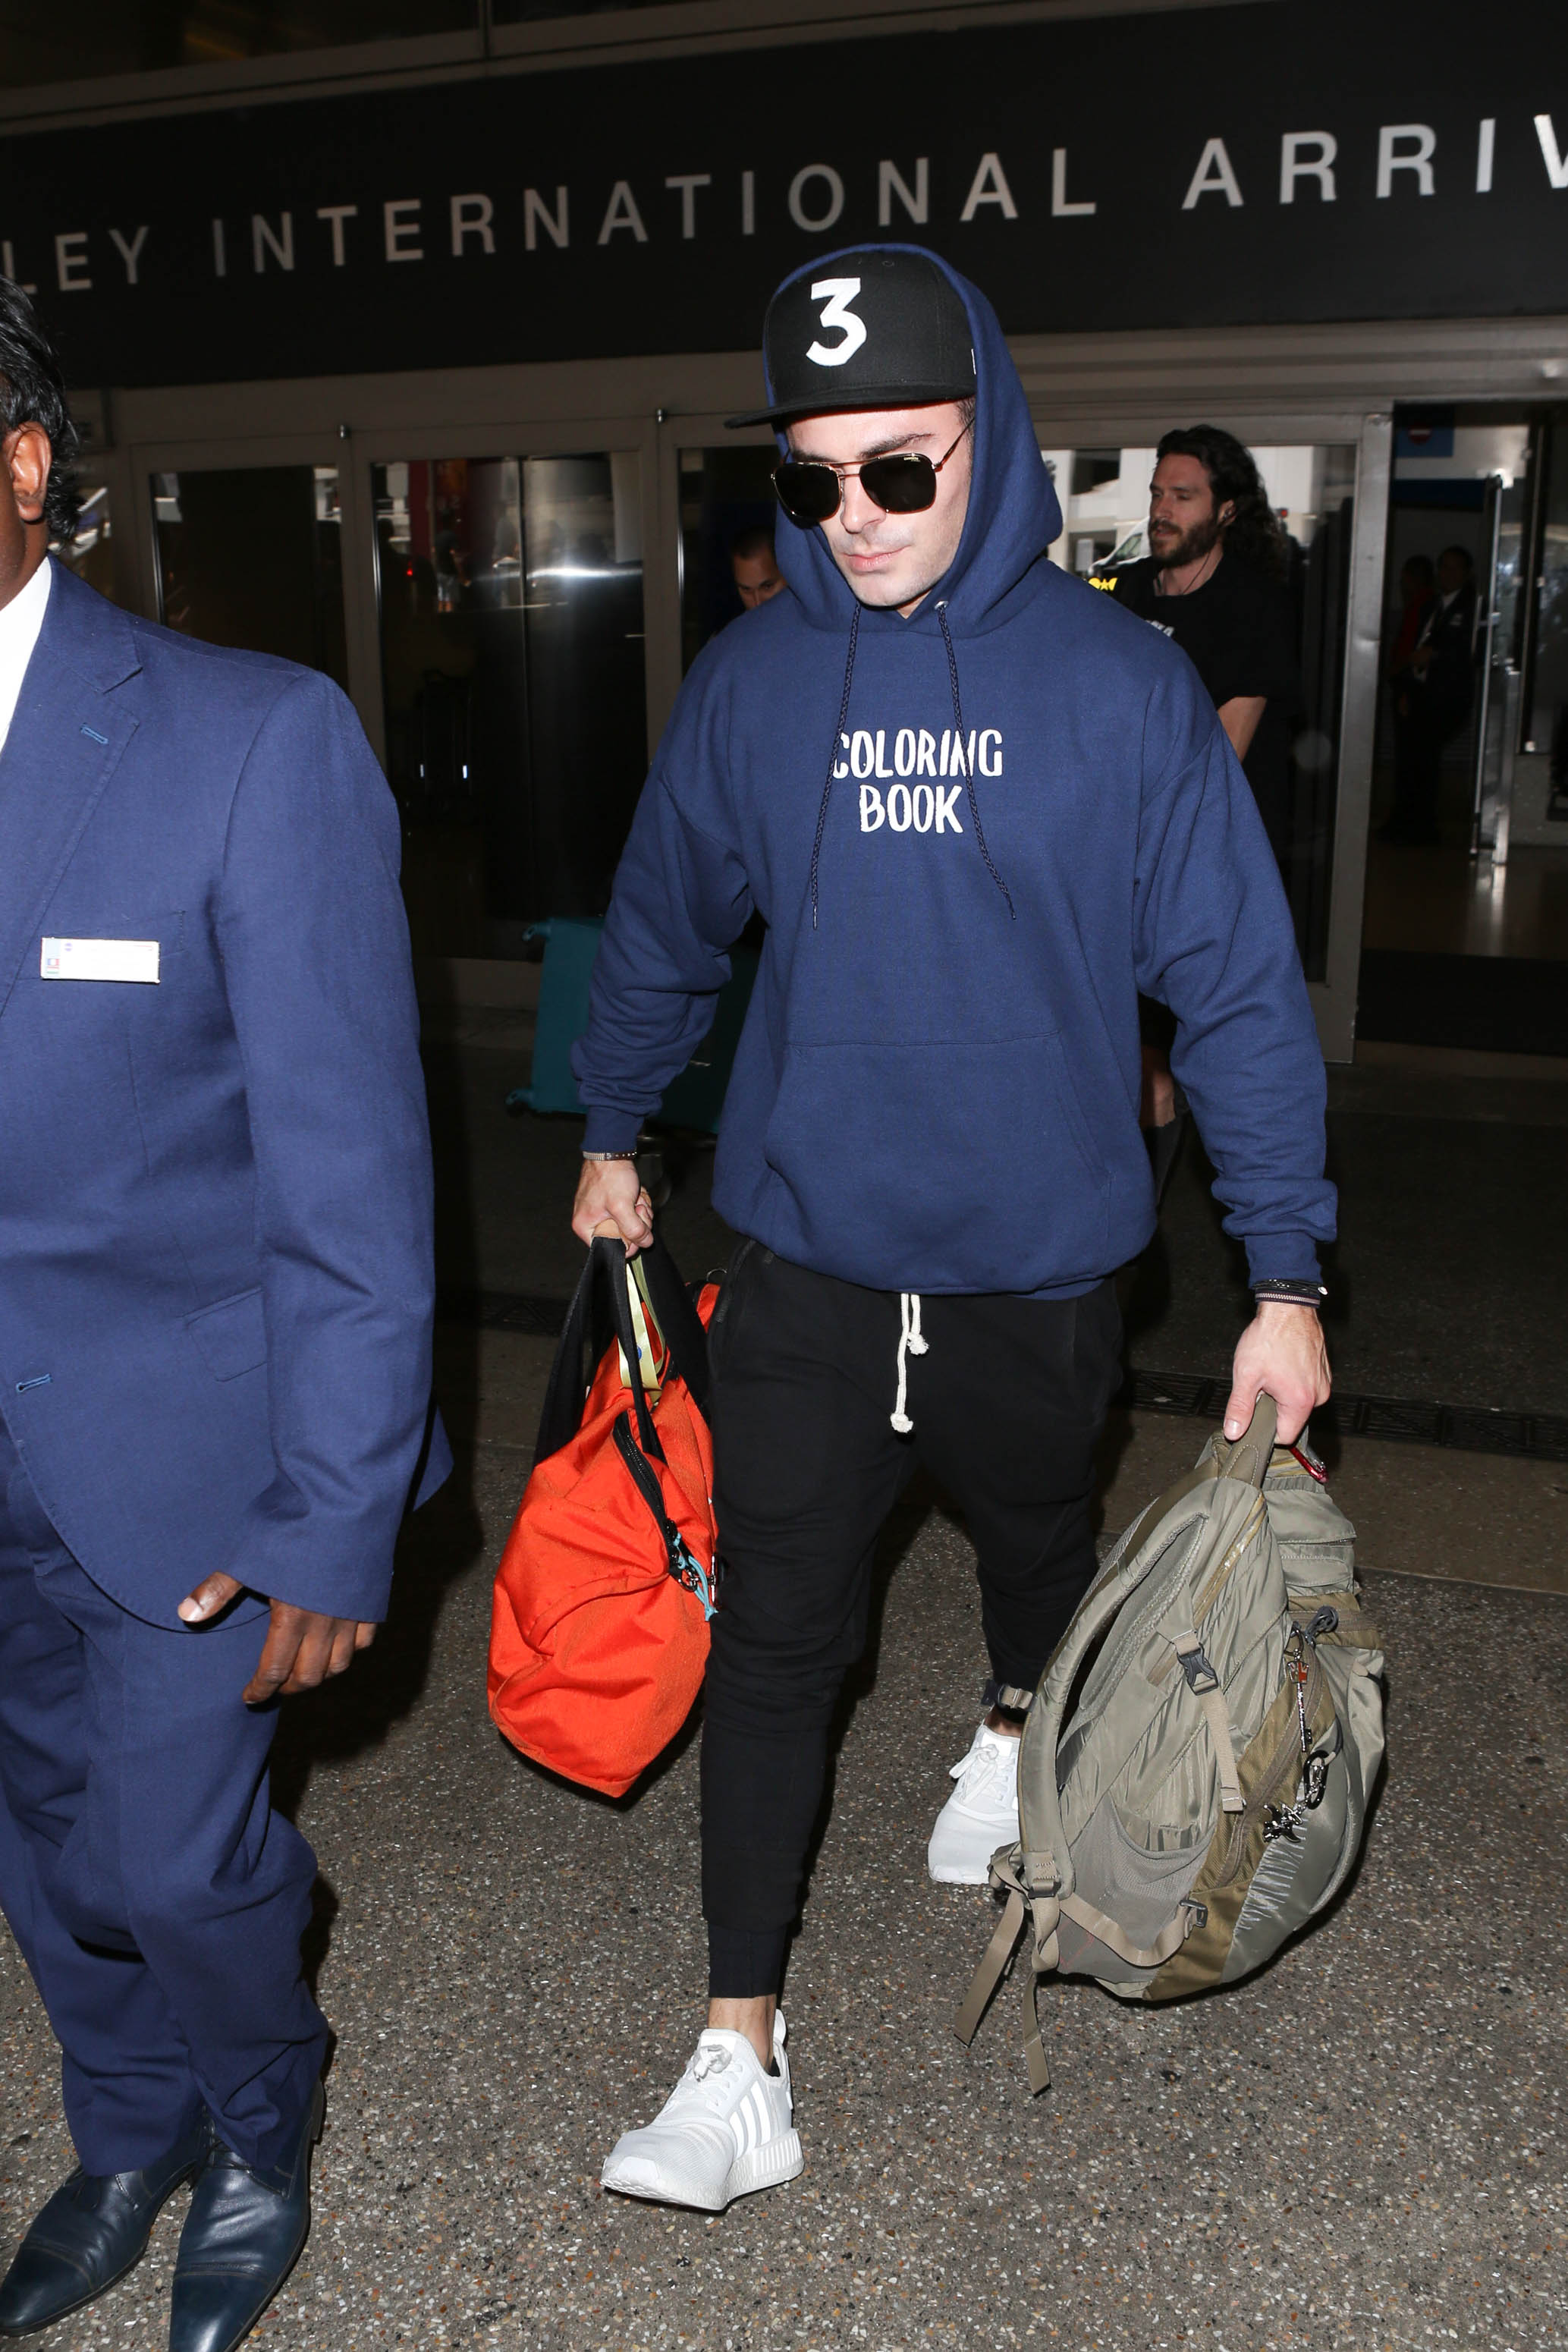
x=725, y=2130
x=981, y=1815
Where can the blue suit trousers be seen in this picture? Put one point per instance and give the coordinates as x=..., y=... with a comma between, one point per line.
x=156, y=1897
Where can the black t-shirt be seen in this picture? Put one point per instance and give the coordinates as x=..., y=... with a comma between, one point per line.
x=1238, y=632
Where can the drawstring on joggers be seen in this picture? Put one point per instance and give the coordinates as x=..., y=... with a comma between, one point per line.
x=912, y=1341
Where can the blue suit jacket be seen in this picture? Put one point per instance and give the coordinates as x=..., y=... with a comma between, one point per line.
x=217, y=1286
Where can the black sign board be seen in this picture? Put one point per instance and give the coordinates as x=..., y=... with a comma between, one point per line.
x=1290, y=160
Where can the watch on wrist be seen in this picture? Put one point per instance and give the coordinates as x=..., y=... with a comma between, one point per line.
x=603, y=1156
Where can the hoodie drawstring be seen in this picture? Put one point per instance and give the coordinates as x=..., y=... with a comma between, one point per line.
x=968, y=772
x=912, y=1341
x=833, y=756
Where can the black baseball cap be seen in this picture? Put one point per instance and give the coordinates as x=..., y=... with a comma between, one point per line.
x=882, y=326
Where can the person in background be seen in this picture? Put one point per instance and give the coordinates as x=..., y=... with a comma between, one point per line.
x=1215, y=581
x=1434, y=699
x=758, y=578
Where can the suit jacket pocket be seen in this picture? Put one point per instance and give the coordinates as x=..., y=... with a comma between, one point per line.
x=231, y=1336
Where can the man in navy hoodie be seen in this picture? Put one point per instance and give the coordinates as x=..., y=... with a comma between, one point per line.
x=980, y=808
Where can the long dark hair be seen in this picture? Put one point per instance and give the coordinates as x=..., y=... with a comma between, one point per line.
x=32, y=392
x=1256, y=532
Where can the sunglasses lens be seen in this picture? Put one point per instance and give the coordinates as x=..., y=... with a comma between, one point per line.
x=905, y=485
x=807, y=493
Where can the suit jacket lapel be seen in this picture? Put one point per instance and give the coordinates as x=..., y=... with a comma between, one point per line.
x=66, y=741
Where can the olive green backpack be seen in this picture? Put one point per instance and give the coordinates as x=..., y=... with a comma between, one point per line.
x=1210, y=1794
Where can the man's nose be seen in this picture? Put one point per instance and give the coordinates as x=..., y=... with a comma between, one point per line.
x=859, y=509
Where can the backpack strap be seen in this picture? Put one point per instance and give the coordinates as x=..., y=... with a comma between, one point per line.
x=1248, y=1456
x=1010, y=1871
x=1187, y=1919
x=1205, y=1686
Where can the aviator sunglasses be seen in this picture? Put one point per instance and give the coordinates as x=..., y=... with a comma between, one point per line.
x=810, y=491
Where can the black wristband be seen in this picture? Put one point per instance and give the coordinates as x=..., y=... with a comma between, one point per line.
x=1289, y=1292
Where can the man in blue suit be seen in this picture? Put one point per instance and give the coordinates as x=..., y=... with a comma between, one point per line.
x=216, y=1307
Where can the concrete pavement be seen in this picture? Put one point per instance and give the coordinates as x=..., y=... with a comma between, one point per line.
x=1362, y=2148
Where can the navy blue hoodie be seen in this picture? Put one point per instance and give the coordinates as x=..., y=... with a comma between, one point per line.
x=938, y=1085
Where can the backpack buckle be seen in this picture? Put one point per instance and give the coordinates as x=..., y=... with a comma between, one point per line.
x=1200, y=1674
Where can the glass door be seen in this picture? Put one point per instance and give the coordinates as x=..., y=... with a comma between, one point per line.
x=252, y=555
x=514, y=683
x=1466, y=941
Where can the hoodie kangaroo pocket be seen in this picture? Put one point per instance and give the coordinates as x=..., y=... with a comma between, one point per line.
x=976, y=1157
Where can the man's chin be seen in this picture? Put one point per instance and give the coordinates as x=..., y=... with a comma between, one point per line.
x=883, y=591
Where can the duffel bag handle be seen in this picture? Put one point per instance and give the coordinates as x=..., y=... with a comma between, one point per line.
x=680, y=1328
x=1248, y=1460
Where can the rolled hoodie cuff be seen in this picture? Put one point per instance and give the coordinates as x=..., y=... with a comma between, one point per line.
x=1277, y=1257
x=610, y=1131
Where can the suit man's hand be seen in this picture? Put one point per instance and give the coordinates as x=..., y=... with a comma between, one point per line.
x=1282, y=1351
x=302, y=1646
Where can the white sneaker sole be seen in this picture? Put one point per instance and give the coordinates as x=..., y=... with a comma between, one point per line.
x=956, y=1875
x=768, y=2166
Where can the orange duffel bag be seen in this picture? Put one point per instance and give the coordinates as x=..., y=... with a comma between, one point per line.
x=598, y=1628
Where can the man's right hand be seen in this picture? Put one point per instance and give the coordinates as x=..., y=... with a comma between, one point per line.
x=610, y=1198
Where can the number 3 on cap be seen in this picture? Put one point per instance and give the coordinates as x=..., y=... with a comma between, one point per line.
x=836, y=294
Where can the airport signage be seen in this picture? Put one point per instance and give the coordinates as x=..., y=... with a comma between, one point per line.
x=1287, y=161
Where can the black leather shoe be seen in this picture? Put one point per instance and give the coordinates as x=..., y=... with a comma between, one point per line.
x=92, y=2231
x=242, y=2237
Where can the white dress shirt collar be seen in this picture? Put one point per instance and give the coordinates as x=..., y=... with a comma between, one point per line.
x=20, y=622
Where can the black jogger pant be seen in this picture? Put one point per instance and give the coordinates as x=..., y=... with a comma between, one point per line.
x=1007, y=1402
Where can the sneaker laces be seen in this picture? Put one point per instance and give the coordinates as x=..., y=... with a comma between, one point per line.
x=708, y=2058
x=986, y=1762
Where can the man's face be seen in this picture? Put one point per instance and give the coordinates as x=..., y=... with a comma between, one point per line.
x=24, y=534
x=1182, y=523
x=892, y=560
x=1452, y=571
x=757, y=578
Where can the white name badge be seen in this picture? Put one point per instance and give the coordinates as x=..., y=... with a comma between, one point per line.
x=100, y=960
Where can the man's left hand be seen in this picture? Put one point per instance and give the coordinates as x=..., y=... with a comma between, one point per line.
x=302, y=1647
x=1282, y=1351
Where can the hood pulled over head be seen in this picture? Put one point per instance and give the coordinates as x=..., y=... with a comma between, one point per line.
x=1013, y=514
